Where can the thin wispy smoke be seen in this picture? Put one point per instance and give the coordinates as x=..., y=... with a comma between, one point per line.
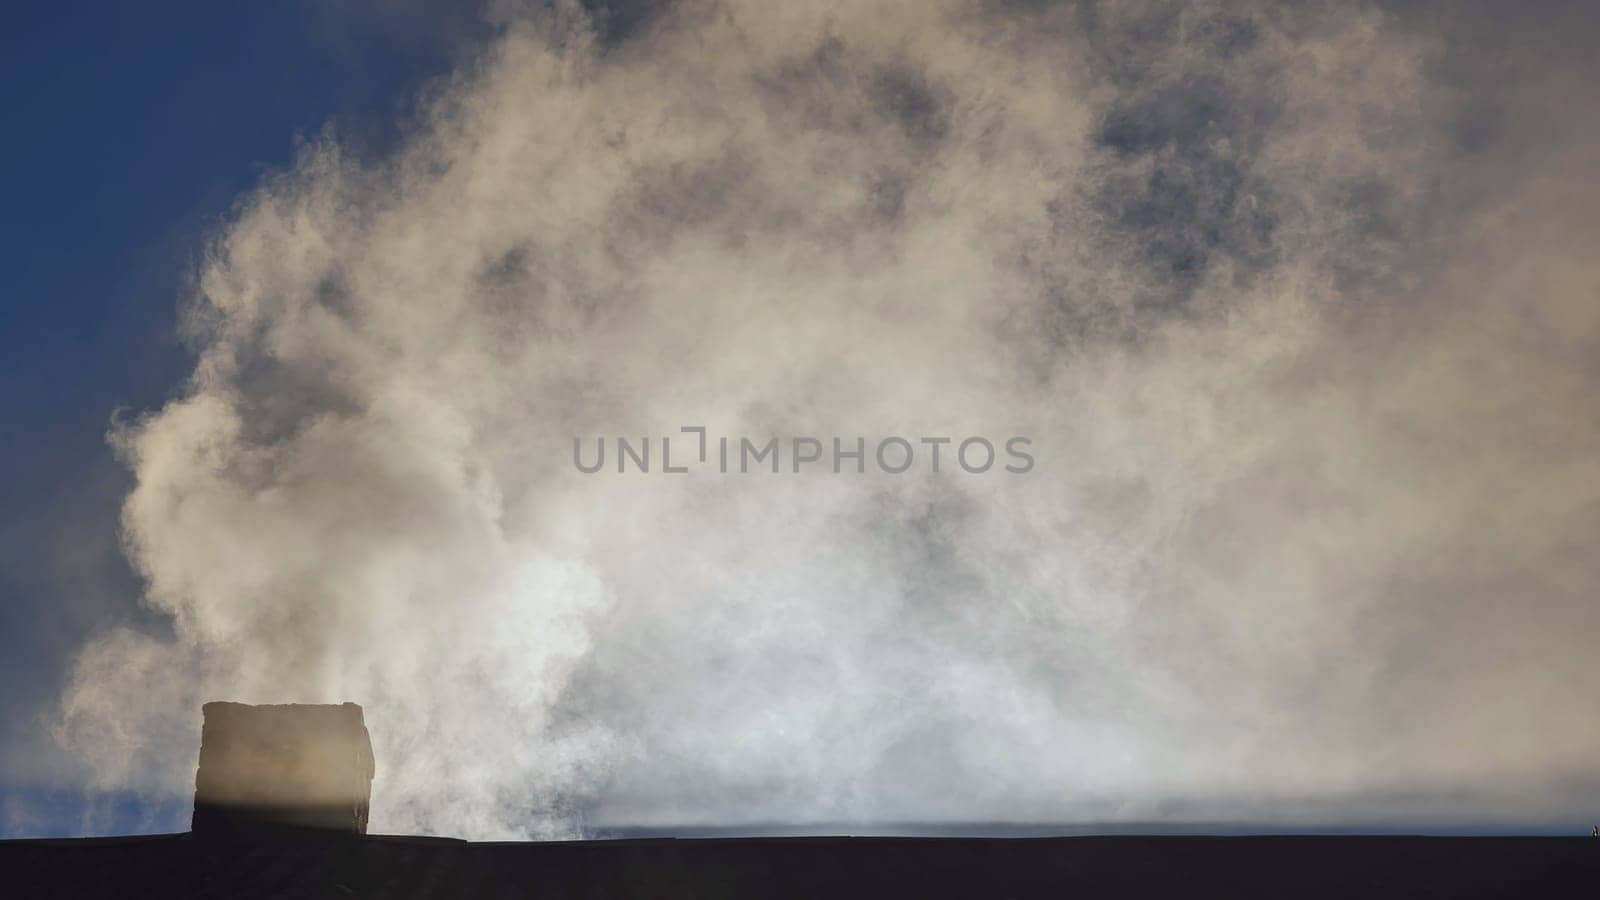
x=1304, y=345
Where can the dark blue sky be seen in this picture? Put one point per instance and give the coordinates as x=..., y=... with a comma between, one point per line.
x=133, y=128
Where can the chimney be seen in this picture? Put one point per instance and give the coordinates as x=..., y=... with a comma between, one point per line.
x=293, y=768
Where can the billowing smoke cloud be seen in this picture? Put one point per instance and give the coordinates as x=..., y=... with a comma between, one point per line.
x=1302, y=333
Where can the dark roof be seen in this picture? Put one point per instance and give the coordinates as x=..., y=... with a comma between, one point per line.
x=1167, y=867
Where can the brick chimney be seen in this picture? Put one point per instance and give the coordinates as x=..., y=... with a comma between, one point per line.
x=283, y=769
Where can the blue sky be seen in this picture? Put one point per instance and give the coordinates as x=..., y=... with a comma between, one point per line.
x=134, y=128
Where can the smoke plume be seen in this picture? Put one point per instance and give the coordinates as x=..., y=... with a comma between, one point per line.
x=1296, y=304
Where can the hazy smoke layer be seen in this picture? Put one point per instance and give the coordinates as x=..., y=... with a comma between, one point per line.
x=1303, y=331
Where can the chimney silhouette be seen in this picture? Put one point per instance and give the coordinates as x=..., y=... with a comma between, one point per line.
x=292, y=768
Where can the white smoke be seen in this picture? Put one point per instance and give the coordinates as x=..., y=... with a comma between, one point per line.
x=1305, y=540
